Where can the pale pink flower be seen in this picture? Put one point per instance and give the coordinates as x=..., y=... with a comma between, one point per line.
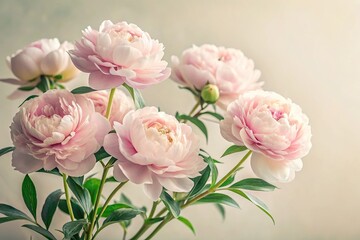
x=274, y=128
x=227, y=68
x=57, y=129
x=154, y=149
x=121, y=104
x=119, y=53
x=43, y=57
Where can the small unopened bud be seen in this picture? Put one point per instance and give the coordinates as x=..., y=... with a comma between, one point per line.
x=210, y=93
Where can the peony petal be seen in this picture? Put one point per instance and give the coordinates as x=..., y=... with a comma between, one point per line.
x=118, y=174
x=83, y=167
x=176, y=184
x=25, y=163
x=102, y=127
x=153, y=190
x=100, y=81
x=136, y=173
x=273, y=170
x=111, y=145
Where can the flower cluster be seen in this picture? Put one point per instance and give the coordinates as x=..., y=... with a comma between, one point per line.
x=67, y=133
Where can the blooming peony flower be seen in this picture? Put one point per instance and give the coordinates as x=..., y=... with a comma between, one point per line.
x=119, y=53
x=121, y=104
x=154, y=149
x=274, y=128
x=57, y=129
x=43, y=57
x=227, y=68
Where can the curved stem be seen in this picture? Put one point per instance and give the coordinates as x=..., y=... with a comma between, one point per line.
x=109, y=199
x=67, y=196
x=153, y=209
x=97, y=201
x=111, y=97
x=195, y=107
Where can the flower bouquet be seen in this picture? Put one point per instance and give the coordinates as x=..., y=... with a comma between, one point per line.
x=66, y=133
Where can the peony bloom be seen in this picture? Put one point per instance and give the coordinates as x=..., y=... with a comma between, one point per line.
x=119, y=53
x=121, y=104
x=274, y=128
x=57, y=129
x=227, y=68
x=43, y=57
x=154, y=149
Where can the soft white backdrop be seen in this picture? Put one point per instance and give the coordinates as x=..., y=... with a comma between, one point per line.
x=307, y=50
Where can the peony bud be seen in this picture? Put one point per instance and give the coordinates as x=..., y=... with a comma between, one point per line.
x=210, y=93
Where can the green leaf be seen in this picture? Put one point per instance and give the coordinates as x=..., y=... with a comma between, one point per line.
x=257, y=202
x=196, y=122
x=79, y=180
x=221, y=210
x=187, y=223
x=26, y=88
x=43, y=84
x=50, y=206
x=214, y=170
x=136, y=96
x=58, y=77
x=92, y=184
x=81, y=194
x=8, y=219
x=72, y=228
x=81, y=90
x=255, y=184
x=101, y=154
x=40, y=230
x=200, y=182
x=10, y=211
x=78, y=211
x=110, y=179
x=213, y=114
x=125, y=199
x=170, y=204
x=150, y=221
x=110, y=208
x=29, y=195
x=228, y=181
x=234, y=149
x=55, y=171
x=28, y=98
x=121, y=215
x=219, y=198
x=6, y=150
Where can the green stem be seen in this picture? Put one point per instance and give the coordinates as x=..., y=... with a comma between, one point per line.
x=109, y=199
x=111, y=97
x=195, y=107
x=153, y=209
x=97, y=201
x=161, y=225
x=67, y=196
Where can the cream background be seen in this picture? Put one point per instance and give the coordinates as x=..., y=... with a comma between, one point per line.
x=307, y=50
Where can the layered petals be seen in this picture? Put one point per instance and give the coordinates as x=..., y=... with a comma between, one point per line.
x=57, y=129
x=152, y=148
x=119, y=53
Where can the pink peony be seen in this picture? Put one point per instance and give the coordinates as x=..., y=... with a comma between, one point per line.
x=43, y=57
x=154, y=149
x=227, y=68
x=57, y=129
x=274, y=128
x=119, y=53
x=121, y=104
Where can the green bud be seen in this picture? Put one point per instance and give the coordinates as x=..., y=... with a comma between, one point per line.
x=210, y=93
